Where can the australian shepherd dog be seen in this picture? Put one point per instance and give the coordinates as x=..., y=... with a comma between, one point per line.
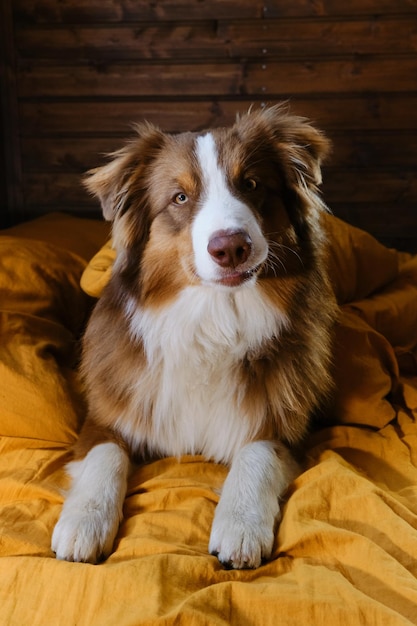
x=213, y=335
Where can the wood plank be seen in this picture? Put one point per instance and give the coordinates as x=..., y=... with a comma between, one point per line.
x=333, y=113
x=224, y=39
x=364, y=149
x=94, y=11
x=67, y=155
x=221, y=79
x=374, y=149
x=298, y=8
x=335, y=76
x=144, y=79
x=58, y=191
x=11, y=197
x=385, y=186
x=384, y=219
x=319, y=37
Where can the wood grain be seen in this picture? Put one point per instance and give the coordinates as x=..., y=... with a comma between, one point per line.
x=283, y=38
x=346, y=113
x=93, y=11
x=83, y=70
x=219, y=79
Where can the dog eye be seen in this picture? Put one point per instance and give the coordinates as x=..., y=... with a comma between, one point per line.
x=181, y=198
x=251, y=184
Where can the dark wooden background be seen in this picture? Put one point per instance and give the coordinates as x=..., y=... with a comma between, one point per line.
x=76, y=73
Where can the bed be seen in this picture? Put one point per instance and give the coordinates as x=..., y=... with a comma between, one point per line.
x=346, y=550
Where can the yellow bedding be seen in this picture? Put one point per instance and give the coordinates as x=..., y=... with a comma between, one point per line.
x=346, y=550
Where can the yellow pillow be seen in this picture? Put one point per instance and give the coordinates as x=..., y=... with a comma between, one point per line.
x=42, y=315
x=97, y=273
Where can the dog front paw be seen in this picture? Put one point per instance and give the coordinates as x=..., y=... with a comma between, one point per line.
x=241, y=542
x=84, y=536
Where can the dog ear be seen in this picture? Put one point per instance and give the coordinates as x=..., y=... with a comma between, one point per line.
x=112, y=183
x=107, y=182
x=306, y=148
x=300, y=147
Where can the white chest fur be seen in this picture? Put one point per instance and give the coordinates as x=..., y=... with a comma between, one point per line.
x=194, y=350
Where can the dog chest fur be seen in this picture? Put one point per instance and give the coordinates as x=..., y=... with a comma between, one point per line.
x=195, y=350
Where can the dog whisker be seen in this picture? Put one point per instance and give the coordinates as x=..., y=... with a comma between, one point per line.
x=279, y=247
x=273, y=261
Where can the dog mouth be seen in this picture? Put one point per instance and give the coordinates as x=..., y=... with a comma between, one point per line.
x=236, y=278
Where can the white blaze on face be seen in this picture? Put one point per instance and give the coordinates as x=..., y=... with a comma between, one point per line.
x=220, y=210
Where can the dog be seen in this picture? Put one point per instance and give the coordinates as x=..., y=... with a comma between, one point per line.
x=213, y=335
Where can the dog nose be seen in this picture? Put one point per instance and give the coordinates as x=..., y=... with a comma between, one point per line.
x=230, y=248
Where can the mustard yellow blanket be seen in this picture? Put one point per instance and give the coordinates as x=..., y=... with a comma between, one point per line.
x=346, y=551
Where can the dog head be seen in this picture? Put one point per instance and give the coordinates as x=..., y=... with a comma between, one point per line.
x=219, y=208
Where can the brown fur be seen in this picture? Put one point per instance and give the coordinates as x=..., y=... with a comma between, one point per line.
x=155, y=262
x=214, y=332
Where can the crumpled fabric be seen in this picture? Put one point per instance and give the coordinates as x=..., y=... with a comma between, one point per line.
x=345, y=551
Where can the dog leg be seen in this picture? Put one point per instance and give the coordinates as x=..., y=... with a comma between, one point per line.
x=244, y=523
x=92, y=511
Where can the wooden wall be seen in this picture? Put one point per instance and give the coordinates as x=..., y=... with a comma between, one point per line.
x=78, y=72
